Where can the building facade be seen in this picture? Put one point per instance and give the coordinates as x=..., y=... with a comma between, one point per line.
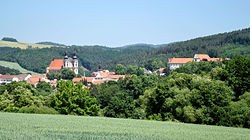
x=10, y=78
x=174, y=63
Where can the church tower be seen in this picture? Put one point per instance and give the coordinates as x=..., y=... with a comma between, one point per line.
x=71, y=63
x=66, y=62
x=75, y=63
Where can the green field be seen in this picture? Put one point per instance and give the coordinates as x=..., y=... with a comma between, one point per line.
x=23, y=45
x=36, y=126
x=16, y=66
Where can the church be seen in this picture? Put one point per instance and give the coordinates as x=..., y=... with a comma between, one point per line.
x=57, y=65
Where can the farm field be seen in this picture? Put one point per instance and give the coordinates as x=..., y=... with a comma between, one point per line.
x=16, y=66
x=22, y=45
x=38, y=126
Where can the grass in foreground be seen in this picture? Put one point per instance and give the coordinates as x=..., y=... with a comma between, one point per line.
x=36, y=126
x=16, y=66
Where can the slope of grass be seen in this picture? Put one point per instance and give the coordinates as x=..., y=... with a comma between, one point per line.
x=16, y=66
x=35, y=126
x=23, y=45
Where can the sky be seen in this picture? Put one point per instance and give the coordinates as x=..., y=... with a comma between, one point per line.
x=116, y=23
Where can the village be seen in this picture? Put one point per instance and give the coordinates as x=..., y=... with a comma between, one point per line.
x=101, y=76
x=121, y=70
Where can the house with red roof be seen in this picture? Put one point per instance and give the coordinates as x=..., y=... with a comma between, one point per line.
x=57, y=65
x=34, y=79
x=174, y=63
x=160, y=70
x=9, y=78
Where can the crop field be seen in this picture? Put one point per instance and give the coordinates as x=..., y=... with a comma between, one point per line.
x=16, y=66
x=37, y=126
x=23, y=45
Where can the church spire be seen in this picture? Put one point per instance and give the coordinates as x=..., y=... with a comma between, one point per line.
x=66, y=55
x=75, y=57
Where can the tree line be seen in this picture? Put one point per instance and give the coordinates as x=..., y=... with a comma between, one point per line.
x=8, y=71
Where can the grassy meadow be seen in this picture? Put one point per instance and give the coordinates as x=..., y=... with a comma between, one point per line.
x=16, y=66
x=23, y=45
x=38, y=126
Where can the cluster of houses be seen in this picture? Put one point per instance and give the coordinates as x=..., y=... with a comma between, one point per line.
x=101, y=76
x=57, y=65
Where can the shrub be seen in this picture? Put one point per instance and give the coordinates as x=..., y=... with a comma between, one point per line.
x=38, y=110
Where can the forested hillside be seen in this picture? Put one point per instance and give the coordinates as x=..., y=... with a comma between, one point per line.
x=90, y=57
x=6, y=71
x=220, y=45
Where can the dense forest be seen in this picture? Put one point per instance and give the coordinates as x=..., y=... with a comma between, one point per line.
x=213, y=93
x=8, y=71
x=219, y=45
x=90, y=57
x=144, y=55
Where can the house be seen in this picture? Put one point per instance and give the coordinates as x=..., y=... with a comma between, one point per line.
x=9, y=78
x=147, y=71
x=103, y=73
x=174, y=63
x=34, y=79
x=160, y=70
x=57, y=65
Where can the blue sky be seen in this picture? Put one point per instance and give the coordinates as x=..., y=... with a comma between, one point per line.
x=116, y=23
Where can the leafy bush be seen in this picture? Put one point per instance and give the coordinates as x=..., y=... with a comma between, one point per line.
x=73, y=99
x=38, y=110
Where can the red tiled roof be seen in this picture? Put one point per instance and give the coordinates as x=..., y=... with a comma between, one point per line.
x=36, y=76
x=89, y=79
x=180, y=60
x=160, y=69
x=33, y=80
x=7, y=76
x=111, y=73
x=217, y=59
x=97, y=82
x=103, y=73
x=56, y=64
x=203, y=56
x=78, y=79
x=116, y=76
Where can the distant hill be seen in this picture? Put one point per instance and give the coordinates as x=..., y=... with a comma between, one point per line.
x=51, y=43
x=22, y=45
x=226, y=44
x=145, y=45
x=90, y=57
x=9, y=39
x=219, y=45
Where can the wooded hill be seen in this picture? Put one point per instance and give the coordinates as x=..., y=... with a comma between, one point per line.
x=219, y=45
x=90, y=57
